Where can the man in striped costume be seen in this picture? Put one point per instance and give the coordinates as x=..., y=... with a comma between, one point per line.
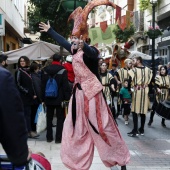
x=141, y=77
x=121, y=75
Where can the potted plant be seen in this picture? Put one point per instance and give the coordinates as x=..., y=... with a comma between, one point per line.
x=123, y=36
x=154, y=33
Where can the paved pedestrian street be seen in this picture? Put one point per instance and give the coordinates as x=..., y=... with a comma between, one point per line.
x=151, y=151
x=148, y=152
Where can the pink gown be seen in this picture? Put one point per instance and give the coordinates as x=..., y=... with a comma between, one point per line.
x=92, y=114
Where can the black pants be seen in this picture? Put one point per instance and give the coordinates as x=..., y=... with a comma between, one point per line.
x=27, y=114
x=135, y=121
x=60, y=121
x=33, y=113
x=126, y=109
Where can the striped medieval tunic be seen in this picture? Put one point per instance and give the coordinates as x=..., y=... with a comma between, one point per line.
x=123, y=74
x=141, y=77
x=163, y=83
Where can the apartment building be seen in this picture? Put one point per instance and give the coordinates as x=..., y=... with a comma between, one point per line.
x=144, y=19
x=12, y=23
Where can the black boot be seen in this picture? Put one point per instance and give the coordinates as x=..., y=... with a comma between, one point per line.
x=151, y=118
x=163, y=122
x=123, y=167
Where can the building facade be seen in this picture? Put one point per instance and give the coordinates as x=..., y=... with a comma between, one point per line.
x=143, y=19
x=13, y=23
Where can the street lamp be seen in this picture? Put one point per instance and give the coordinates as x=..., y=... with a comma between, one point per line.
x=153, y=2
x=71, y=5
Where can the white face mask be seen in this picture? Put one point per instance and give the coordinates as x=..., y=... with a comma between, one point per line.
x=75, y=42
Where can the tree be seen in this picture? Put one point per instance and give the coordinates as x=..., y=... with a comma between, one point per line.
x=44, y=10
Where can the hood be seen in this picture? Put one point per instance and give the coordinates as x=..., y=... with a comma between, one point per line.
x=53, y=69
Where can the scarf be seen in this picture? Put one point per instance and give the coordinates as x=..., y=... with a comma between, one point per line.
x=56, y=63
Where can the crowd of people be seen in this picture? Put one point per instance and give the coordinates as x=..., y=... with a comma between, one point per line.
x=85, y=81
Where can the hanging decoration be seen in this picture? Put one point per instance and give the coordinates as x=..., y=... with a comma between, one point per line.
x=154, y=33
x=127, y=19
x=118, y=13
x=122, y=22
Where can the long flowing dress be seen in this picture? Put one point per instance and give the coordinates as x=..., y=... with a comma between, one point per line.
x=94, y=125
x=89, y=121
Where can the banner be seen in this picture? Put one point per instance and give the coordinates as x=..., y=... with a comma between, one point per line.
x=127, y=19
x=107, y=34
x=122, y=24
x=98, y=36
x=118, y=13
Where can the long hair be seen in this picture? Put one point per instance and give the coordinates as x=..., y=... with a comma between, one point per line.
x=26, y=59
x=166, y=70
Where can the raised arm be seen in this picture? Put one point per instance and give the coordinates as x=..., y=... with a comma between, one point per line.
x=57, y=37
x=90, y=51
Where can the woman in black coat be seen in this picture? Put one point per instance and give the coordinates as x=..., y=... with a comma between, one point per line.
x=25, y=86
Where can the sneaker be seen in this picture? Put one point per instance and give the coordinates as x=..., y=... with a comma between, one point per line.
x=141, y=132
x=132, y=134
x=126, y=122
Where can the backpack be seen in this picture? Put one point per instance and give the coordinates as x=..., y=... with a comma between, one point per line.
x=51, y=89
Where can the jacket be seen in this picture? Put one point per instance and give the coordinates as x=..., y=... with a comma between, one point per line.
x=25, y=85
x=62, y=81
x=36, y=80
x=13, y=131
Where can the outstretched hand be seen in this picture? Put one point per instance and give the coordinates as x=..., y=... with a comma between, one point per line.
x=81, y=43
x=44, y=27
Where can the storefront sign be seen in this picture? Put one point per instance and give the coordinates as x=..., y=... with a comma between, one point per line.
x=2, y=25
x=164, y=40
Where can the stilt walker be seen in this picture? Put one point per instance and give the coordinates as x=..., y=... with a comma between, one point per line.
x=89, y=121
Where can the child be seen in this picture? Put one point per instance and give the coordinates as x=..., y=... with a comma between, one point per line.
x=126, y=100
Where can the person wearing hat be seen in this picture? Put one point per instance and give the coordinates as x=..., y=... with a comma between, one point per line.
x=3, y=60
x=70, y=73
x=56, y=71
x=89, y=121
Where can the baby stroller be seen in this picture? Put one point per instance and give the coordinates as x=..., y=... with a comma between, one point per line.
x=36, y=163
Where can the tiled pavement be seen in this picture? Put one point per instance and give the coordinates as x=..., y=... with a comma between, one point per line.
x=149, y=152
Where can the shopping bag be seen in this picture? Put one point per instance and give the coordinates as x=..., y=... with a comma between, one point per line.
x=40, y=119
